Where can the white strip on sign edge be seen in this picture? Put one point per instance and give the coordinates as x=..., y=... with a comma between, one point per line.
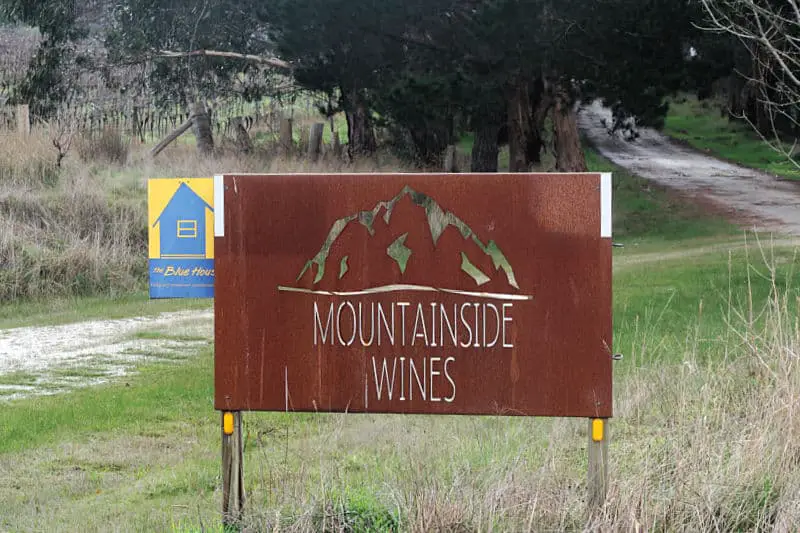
x=219, y=206
x=605, y=205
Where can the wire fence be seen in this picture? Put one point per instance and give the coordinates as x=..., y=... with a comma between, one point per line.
x=147, y=123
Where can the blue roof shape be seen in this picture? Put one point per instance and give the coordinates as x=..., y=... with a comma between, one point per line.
x=186, y=201
x=183, y=225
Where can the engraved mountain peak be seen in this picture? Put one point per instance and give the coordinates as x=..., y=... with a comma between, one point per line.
x=397, y=245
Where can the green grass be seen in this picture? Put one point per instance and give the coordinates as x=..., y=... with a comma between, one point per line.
x=161, y=394
x=20, y=378
x=83, y=371
x=666, y=308
x=704, y=126
x=143, y=452
x=158, y=335
x=67, y=310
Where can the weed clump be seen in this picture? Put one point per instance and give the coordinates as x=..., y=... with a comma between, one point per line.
x=27, y=161
x=109, y=147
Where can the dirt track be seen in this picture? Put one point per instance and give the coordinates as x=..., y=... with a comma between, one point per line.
x=51, y=359
x=753, y=198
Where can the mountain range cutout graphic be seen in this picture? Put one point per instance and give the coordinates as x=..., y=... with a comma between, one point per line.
x=367, y=234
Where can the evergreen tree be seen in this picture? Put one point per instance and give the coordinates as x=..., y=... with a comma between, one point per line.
x=507, y=66
x=143, y=28
x=346, y=48
x=46, y=82
x=503, y=68
x=627, y=52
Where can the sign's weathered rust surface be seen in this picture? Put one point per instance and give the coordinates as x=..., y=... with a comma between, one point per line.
x=409, y=293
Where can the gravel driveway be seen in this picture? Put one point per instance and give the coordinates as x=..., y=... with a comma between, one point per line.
x=751, y=197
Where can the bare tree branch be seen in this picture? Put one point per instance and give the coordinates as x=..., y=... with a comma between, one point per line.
x=771, y=33
x=269, y=61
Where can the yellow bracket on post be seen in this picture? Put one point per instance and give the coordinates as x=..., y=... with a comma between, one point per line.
x=598, y=429
x=227, y=423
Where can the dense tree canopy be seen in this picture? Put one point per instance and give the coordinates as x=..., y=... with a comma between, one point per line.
x=144, y=28
x=354, y=50
x=425, y=72
x=499, y=67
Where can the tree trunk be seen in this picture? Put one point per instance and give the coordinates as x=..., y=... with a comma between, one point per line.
x=764, y=122
x=337, y=145
x=751, y=106
x=540, y=103
x=451, y=159
x=533, y=147
x=201, y=127
x=569, y=152
x=243, y=143
x=758, y=87
x=519, y=126
x=360, y=133
x=315, y=141
x=736, y=97
x=485, y=148
x=430, y=140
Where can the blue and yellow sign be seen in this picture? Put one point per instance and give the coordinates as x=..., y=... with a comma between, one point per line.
x=181, y=237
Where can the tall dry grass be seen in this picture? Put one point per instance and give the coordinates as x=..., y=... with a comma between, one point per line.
x=109, y=147
x=714, y=447
x=695, y=446
x=27, y=161
x=81, y=228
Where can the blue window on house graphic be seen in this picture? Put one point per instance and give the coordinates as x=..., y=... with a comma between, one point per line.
x=183, y=225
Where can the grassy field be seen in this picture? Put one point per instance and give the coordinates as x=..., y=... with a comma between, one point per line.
x=703, y=403
x=705, y=127
x=67, y=310
x=705, y=434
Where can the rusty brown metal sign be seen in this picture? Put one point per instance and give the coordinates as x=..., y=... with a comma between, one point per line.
x=414, y=293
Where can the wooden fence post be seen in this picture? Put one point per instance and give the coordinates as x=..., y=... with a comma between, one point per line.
x=23, y=113
x=598, y=463
x=243, y=142
x=304, y=137
x=135, y=131
x=450, y=159
x=315, y=141
x=286, y=140
x=232, y=469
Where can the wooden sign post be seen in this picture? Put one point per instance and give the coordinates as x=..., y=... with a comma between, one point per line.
x=464, y=294
x=232, y=468
x=597, y=480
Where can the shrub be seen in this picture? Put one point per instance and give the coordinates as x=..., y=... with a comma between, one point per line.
x=109, y=147
x=28, y=161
